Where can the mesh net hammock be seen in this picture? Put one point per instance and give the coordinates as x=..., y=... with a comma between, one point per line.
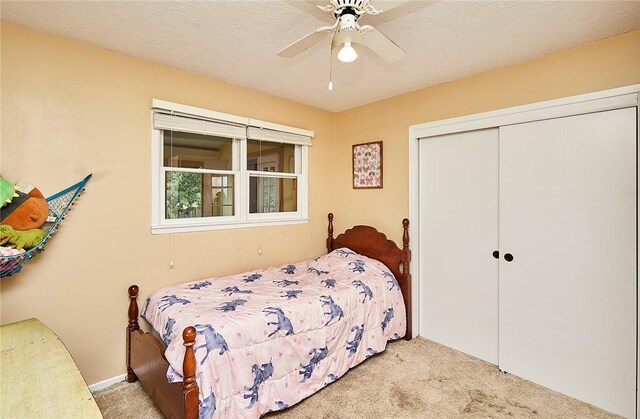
x=59, y=204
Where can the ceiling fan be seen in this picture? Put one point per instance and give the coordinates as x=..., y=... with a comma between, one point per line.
x=346, y=31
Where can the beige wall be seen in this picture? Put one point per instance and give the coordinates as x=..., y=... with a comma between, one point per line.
x=605, y=64
x=70, y=108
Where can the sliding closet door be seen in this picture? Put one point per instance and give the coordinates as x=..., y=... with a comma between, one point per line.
x=458, y=234
x=568, y=219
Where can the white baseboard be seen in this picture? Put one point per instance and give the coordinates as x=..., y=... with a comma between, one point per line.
x=106, y=383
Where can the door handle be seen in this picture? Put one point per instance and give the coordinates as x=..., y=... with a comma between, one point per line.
x=508, y=257
x=496, y=254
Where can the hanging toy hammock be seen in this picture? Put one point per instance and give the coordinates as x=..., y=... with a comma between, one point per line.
x=59, y=205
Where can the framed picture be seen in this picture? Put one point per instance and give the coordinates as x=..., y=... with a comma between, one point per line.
x=367, y=165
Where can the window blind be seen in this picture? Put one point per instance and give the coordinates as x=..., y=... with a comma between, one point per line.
x=264, y=134
x=197, y=126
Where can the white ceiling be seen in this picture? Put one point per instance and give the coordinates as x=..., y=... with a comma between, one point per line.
x=236, y=41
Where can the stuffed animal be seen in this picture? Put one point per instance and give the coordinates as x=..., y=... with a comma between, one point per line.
x=21, y=239
x=27, y=210
x=10, y=251
x=7, y=192
x=9, y=263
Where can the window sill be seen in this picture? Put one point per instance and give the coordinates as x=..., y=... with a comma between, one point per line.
x=167, y=229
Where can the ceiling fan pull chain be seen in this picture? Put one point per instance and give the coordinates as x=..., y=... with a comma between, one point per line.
x=330, y=70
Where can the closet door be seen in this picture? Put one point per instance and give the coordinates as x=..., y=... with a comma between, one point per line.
x=458, y=234
x=568, y=218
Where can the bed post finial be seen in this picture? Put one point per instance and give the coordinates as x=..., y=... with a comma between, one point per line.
x=132, y=327
x=133, y=308
x=406, y=272
x=330, y=230
x=405, y=234
x=189, y=386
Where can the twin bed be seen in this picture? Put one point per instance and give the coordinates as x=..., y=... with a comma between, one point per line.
x=261, y=341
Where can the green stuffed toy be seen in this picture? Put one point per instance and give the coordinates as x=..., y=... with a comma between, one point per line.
x=7, y=192
x=21, y=239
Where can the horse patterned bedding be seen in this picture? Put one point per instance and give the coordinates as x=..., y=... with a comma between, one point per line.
x=268, y=339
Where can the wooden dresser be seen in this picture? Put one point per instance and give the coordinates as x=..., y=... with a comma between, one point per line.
x=38, y=378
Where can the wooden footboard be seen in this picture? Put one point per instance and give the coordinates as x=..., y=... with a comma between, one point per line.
x=146, y=362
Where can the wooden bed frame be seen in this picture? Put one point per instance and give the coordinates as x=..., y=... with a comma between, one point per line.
x=145, y=353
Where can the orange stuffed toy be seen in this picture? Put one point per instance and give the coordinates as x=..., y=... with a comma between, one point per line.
x=26, y=211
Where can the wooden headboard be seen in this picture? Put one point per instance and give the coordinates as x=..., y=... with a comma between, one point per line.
x=369, y=242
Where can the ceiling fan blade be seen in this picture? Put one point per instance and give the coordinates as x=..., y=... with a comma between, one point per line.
x=304, y=43
x=385, y=5
x=381, y=45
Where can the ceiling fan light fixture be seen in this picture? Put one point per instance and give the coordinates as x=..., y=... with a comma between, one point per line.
x=346, y=32
x=347, y=54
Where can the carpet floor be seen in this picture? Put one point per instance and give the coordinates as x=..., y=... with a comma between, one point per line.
x=415, y=379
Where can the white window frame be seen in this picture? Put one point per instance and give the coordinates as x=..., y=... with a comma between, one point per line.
x=241, y=218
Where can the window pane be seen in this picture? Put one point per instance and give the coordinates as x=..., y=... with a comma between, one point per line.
x=266, y=156
x=272, y=194
x=197, y=151
x=222, y=198
x=194, y=195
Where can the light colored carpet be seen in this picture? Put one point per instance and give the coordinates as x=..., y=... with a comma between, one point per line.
x=416, y=379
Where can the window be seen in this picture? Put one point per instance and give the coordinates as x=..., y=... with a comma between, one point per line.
x=214, y=170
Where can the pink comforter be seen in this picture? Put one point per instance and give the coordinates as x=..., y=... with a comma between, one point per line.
x=268, y=339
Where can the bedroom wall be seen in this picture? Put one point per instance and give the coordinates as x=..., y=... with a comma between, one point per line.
x=605, y=64
x=69, y=109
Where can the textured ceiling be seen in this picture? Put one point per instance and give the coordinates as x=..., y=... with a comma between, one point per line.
x=236, y=41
